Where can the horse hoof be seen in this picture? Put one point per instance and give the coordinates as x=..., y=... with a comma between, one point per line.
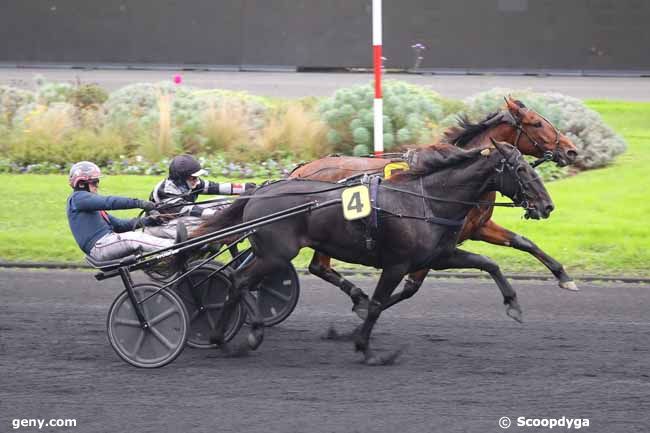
x=239, y=351
x=331, y=334
x=218, y=341
x=361, y=308
x=386, y=359
x=515, y=313
x=570, y=285
x=334, y=335
x=255, y=338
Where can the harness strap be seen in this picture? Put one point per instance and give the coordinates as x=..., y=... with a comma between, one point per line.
x=429, y=219
x=446, y=200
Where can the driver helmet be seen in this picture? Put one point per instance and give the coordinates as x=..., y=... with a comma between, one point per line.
x=184, y=166
x=83, y=171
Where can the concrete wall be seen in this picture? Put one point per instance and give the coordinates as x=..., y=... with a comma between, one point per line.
x=461, y=35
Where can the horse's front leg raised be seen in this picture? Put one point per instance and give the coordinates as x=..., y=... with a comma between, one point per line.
x=460, y=259
x=497, y=235
x=321, y=267
x=390, y=278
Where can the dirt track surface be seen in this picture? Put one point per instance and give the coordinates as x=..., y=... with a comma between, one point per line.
x=578, y=355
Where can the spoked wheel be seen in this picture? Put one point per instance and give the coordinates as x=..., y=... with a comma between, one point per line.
x=277, y=296
x=204, y=295
x=164, y=338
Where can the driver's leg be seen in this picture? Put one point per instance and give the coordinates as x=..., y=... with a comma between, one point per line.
x=117, y=245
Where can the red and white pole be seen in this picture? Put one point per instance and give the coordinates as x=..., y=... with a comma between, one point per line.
x=378, y=105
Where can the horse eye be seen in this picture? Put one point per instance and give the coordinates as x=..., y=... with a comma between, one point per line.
x=537, y=124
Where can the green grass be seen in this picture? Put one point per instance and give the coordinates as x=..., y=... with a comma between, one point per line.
x=600, y=222
x=600, y=225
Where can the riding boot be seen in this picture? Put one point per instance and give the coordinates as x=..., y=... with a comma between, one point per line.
x=181, y=258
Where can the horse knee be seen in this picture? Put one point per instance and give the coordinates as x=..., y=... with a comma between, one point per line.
x=488, y=265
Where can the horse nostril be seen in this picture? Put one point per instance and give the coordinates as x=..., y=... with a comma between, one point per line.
x=572, y=155
x=549, y=209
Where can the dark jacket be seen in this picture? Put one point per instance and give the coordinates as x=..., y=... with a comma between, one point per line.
x=169, y=192
x=87, y=223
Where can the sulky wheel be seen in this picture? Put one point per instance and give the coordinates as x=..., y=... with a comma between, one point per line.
x=162, y=340
x=204, y=295
x=277, y=296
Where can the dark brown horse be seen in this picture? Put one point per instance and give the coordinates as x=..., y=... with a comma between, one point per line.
x=530, y=132
x=418, y=214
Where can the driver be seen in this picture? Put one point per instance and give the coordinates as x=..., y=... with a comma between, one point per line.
x=98, y=233
x=179, y=191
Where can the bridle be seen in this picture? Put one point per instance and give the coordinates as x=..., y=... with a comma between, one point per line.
x=512, y=163
x=547, y=155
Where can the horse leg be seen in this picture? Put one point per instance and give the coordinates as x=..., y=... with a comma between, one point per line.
x=390, y=278
x=495, y=234
x=321, y=267
x=463, y=259
x=242, y=280
x=411, y=285
x=232, y=299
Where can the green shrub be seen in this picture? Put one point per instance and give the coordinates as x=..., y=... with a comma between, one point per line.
x=88, y=96
x=138, y=106
x=38, y=147
x=293, y=130
x=411, y=115
x=48, y=92
x=11, y=100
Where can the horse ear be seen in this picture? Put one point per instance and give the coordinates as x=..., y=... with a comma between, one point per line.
x=514, y=109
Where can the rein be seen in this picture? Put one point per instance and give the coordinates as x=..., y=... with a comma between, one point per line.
x=477, y=203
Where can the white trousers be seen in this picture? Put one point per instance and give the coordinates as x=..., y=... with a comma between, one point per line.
x=168, y=230
x=118, y=245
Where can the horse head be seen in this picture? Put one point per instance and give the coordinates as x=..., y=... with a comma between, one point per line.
x=518, y=180
x=537, y=136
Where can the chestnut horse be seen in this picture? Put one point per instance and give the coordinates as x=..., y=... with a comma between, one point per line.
x=530, y=132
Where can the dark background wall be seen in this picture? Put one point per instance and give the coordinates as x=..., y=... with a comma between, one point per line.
x=460, y=35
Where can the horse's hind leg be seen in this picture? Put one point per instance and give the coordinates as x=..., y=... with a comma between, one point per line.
x=460, y=259
x=495, y=234
x=321, y=267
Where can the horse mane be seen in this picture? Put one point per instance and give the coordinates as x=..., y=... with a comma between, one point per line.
x=466, y=131
x=434, y=158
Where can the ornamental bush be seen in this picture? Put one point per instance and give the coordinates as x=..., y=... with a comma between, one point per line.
x=176, y=114
x=597, y=144
x=411, y=115
x=11, y=99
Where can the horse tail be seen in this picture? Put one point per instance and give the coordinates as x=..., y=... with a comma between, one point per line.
x=232, y=215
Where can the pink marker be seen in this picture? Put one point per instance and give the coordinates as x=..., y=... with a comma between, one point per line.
x=178, y=79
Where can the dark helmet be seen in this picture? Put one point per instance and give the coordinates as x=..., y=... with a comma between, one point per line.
x=184, y=166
